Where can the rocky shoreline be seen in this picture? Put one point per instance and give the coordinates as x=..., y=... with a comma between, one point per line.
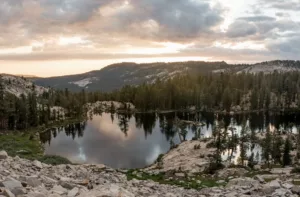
x=176, y=174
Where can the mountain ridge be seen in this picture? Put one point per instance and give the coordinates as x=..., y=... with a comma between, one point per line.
x=115, y=76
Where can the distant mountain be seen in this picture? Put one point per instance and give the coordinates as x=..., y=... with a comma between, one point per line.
x=272, y=66
x=116, y=76
x=20, y=85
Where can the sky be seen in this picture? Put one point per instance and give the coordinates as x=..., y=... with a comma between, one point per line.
x=60, y=37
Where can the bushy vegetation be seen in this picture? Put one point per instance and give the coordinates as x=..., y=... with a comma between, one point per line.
x=197, y=182
x=54, y=160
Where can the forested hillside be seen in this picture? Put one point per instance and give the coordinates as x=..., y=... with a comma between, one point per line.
x=223, y=91
x=207, y=92
x=116, y=76
x=31, y=106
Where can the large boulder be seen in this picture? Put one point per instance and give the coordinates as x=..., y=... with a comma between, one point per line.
x=296, y=190
x=274, y=184
x=33, y=181
x=12, y=184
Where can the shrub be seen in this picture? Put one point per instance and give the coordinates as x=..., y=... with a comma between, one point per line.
x=295, y=170
x=54, y=160
x=196, y=147
x=213, y=167
x=159, y=158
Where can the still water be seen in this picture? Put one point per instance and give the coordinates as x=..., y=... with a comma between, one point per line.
x=135, y=141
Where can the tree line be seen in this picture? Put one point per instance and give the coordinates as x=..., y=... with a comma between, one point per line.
x=205, y=92
x=216, y=92
x=32, y=109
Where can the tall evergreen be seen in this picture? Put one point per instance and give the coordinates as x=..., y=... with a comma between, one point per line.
x=286, y=153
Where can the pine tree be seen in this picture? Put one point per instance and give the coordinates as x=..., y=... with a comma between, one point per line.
x=33, y=110
x=251, y=161
x=267, y=147
x=286, y=154
x=3, y=110
x=243, y=143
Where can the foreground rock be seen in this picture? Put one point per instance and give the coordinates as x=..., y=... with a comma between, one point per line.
x=189, y=157
x=23, y=178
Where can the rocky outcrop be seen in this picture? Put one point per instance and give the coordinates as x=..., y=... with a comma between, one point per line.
x=109, y=106
x=189, y=157
x=24, y=178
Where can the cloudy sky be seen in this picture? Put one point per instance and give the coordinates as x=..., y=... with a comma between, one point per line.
x=58, y=37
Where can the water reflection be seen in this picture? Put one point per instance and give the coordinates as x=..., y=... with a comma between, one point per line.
x=135, y=141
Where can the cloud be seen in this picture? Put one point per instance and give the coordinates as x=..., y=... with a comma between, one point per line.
x=241, y=28
x=169, y=19
x=286, y=5
x=257, y=18
x=108, y=29
x=286, y=48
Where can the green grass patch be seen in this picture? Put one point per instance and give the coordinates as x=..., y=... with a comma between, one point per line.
x=269, y=179
x=265, y=166
x=27, y=145
x=296, y=182
x=54, y=160
x=159, y=158
x=22, y=144
x=196, y=182
x=254, y=173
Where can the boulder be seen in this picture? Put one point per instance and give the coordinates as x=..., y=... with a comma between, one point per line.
x=73, y=192
x=33, y=181
x=287, y=185
x=3, y=155
x=57, y=189
x=66, y=185
x=18, y=191
x=266, y=190
x=8, y=193
x=259, y=178
x=274, y=184
x=11, y=184
x=296, y=190
x=38, y=164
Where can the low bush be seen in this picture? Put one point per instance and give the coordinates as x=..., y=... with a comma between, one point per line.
x=54, y=160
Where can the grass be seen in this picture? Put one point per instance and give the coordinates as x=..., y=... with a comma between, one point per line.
x=162, y=178
x=254, y=173
x=296, y=182
x=265, y=166
x=21, y=144
x=25, y=145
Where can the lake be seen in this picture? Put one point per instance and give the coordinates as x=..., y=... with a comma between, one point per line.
x=136, y=141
